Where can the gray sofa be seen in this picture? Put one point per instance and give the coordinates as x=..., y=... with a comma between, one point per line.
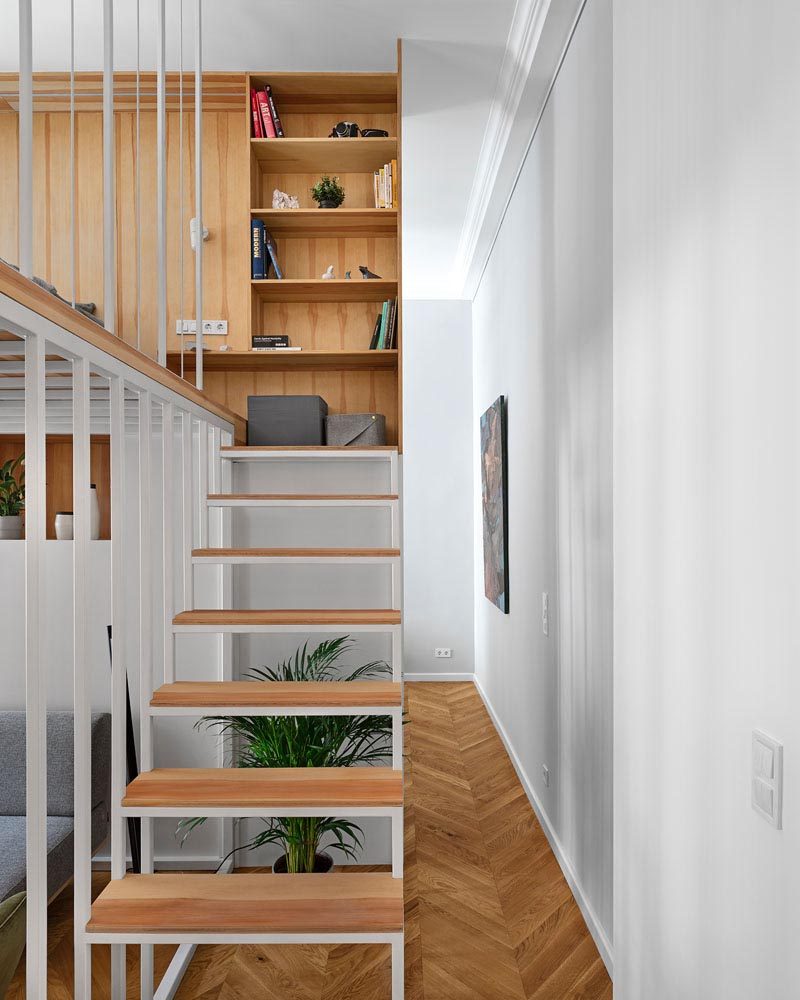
x=60, y=811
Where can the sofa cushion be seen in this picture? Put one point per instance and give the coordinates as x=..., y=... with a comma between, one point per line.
x=60, y=762
x=12, y=938
x=12, y=859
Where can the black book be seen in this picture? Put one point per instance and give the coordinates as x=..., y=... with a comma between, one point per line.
x=377, y=332
x=274, y=112
x=267, y=340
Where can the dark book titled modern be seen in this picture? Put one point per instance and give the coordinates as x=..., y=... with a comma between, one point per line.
x=258, y=269
x=494, y=486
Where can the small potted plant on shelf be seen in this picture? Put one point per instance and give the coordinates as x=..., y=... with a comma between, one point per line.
x=306, y=741
x=328, y=192
x=12, y=498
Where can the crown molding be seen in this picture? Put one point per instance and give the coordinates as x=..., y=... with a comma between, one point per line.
x=540, y=33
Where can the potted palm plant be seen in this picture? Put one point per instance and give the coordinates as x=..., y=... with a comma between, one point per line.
x=328, y=192
x=12, y=497
x=306, y=741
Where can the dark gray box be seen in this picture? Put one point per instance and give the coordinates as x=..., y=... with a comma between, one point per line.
x=356, y=429
x=286, y=420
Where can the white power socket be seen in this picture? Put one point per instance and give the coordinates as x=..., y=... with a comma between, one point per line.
x=442, y=653
x=211, y=327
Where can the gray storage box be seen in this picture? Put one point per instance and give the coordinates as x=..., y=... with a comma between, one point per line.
x=356, y=429
x=286, y=420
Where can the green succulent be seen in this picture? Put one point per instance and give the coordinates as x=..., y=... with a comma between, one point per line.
x=12, y=487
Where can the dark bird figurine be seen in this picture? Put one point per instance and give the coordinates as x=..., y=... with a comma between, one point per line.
x=366, y=273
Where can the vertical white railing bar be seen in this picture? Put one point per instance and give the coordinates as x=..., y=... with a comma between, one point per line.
x=109, y=198
x=82, y=862
x=168, y=561
x=138, y=179
x=25, y=139
x=182, y=216
x=202, y=492
x=146, y=648
x=72, y=188
x=224, y=480
x=35, y=681
x=161, y=182
x=187, y=544
x=198, y=189
x=119, y=631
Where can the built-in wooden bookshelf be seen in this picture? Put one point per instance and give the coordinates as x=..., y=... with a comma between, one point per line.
x=331, y=320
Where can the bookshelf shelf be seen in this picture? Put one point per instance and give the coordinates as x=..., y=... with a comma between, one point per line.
x=335, y=290
x=315, y=222
x=333, y=321
x=313, y=155
x=255, y=361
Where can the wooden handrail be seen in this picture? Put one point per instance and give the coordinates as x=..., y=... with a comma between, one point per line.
x=33, y=297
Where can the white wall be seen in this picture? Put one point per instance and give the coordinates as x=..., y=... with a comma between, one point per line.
x=707, y=439
x=542, y=337
x=437, y=485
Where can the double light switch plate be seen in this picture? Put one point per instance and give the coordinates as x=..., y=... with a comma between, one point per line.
x=767, y=778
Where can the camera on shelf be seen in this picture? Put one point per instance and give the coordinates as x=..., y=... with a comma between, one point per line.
x=345, y=130
x=350, y=130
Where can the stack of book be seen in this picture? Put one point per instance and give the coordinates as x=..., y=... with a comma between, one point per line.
x=266, y=120
x=263, y=254
x=272, y=342
x=385, y=184
x=384, y=336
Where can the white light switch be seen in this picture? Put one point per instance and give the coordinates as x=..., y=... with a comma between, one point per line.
x=767, y=778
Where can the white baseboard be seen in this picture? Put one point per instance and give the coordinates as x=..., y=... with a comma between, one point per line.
x=594, y=925
x=452, y=678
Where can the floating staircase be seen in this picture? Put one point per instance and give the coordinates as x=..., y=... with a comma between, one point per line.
x=334, y=908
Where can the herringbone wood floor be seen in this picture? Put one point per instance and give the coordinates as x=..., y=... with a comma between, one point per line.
x=489, y=915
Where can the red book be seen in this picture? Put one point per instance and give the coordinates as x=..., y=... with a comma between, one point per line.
x=258, y=131
x=266, y=117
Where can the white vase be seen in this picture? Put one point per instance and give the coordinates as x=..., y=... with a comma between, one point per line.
x=10, y=527
x=64, y=527
x=95, y=514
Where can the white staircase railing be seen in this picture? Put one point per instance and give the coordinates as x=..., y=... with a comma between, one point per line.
x=142, y=409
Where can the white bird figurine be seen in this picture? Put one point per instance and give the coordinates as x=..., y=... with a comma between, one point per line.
x=329, y=275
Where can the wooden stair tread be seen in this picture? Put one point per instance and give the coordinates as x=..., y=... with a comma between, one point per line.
x=268, y=787
x=383, y=616
x=228, y=448
x=302, y=496
x=277, y=694
x=298, y=553
x=336, y=902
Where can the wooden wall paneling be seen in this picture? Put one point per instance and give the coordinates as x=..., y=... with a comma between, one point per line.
x=344, y=391
x=323, y=326
x=358, y=188
x=59, y=474
x=226, y=209
x=309, y=257
x=319, y=125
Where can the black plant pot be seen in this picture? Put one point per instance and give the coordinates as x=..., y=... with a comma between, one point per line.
x=328, y=203
x=322, y=863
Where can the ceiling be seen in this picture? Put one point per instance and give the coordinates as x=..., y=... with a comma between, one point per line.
x=356, y=35
x=452, y=54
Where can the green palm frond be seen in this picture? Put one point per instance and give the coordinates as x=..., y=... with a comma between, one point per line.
x=306, y=741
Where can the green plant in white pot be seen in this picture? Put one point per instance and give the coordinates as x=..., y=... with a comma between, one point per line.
x=12, y=497
x=307, y=741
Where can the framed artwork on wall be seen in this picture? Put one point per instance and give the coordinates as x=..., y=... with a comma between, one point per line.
x=494, y=479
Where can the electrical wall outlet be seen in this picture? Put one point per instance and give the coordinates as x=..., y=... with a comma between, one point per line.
x=211, y=327
x=546, y=775
x=442, y=653
x=545, y=614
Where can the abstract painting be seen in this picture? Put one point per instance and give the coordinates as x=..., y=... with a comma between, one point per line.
x=494, y=477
